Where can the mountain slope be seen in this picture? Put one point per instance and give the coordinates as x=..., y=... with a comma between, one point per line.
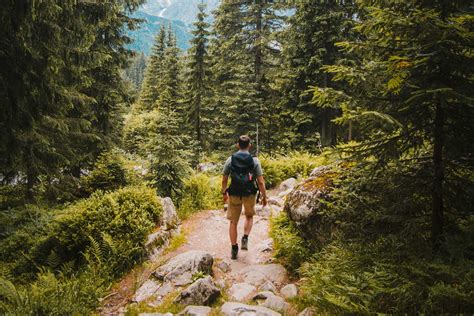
x=143, y=38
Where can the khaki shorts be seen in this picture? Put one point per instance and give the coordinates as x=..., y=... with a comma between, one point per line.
x=235, y=206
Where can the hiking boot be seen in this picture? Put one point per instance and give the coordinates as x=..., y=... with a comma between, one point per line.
x=245, y=243
x=234, y=252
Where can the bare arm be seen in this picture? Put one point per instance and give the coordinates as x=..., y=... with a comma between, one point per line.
x=225, y=179
x=263, y=190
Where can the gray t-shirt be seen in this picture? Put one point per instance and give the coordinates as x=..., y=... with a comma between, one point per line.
x=257, y=171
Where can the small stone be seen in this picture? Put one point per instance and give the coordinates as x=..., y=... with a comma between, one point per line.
x=263, y=295
x=288, y=184
x=283, y=194
x=268, y=286
x=289, y=291
x=241, y=292
x=308, y=311
x=256, y=275
x=180, y=269
x=275, y=200
x=224, y=266
x=147, y=290
x=201, y=292
x=265, y=245
x=237, y=309
x=169, y=217
x=276, y=210
x=220, y=283
x=194, y=310
x=276, y=303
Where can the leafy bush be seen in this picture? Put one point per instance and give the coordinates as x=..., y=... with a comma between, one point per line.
x=296, y=165
x=86, y=244
x=117, y=222
x=201, y=192
x=351, y=279
x=108, y=173
x=290, y=248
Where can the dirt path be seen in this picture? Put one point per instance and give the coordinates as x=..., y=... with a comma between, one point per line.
x=207, y=231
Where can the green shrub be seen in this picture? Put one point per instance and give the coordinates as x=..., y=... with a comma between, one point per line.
x=117, y=222
x=295, y=164
x=352, y=279
x=201, y=192
x=290, y=248
x=108, y=173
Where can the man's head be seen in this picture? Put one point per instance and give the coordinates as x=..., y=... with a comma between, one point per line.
x=244, y=142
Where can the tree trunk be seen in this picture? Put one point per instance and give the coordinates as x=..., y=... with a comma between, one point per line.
x=438, y=179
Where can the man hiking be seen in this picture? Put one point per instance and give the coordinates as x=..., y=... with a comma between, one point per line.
x=246, y=174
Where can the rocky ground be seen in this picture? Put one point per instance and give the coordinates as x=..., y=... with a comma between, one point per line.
x=200, y=276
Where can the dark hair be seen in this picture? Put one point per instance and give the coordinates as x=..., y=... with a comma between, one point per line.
x=244, y=141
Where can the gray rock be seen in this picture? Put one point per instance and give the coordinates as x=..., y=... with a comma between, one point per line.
x=263, y=295
x=276, y=303
x=283, y=194
x=268, y=286
x=201, y=292
x=147, y=290
x=263, y=211
x=265, y=245
x=258, y=274
x=318, y=171
x=289, y=291
x=220, y=283
x=236, y=309
x=224, y=266
x=304, y=205
x=308, y=311
x=276, y=210
x=288, y=184
x=180, y=269
x=194, y=310
x=206, y=166
x=275, y=200
x=241, y=292
x=155, y=314
x=165, y=289
x=169, y=217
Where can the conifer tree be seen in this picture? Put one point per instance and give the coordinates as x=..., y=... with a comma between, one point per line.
x=408, y=90
x=198, y=89
x=308, y=45
x=150, y=92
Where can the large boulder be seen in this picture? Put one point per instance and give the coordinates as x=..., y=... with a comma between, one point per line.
x=288, y=184
x=169, y=218
x=193, y=310
x=275, y=200
x=289, y=291
x=305, y=203
x=201, y=292
x=148, y=289
x=237, y=309
x=180, y=269
x=241, y=292
x=257, y=275
x=276, y=303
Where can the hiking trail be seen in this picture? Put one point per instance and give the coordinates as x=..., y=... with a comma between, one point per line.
x=200, y=278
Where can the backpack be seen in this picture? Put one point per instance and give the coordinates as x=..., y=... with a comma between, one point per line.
x=241, y=174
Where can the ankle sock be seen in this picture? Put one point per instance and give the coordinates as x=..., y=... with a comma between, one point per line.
x=246, y=237
x=236, y=246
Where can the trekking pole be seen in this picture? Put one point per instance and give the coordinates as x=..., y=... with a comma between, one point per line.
x=257, y=141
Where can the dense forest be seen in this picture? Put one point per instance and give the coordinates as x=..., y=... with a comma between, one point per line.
x=378, y=91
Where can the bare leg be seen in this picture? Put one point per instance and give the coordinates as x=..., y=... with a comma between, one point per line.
x=248, y=224
x=233, y=232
